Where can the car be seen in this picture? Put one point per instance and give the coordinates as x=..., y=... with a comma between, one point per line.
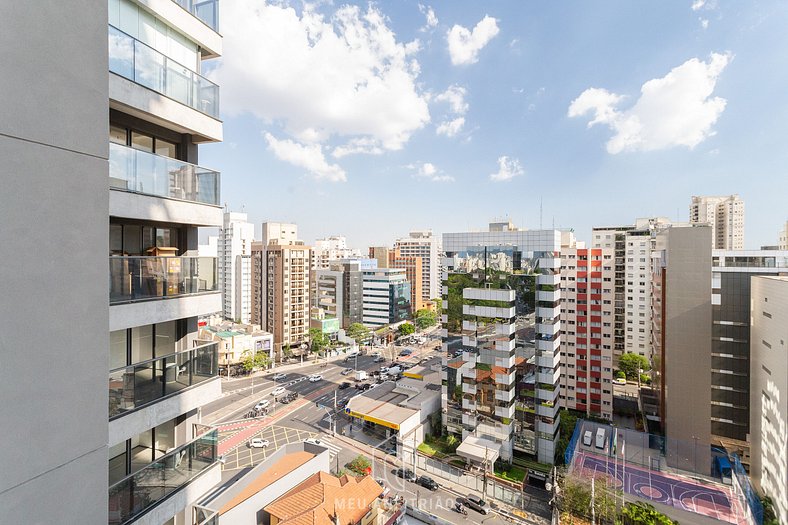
x=313, y=441
x=619, y=381
x=587, y=438
x=258, y=443
x=346, y=371
x=427, y=482
x=405, y=352
x=600, y=438
x=279, y=377
x=405, y=473
x=314, y=378
x=278, y=391
x=384, y=370
x=262, y=404
x=284, y=400
x=379, y=359
x=477, y=504
x=343, y=385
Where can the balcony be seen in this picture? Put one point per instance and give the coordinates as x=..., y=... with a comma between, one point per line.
x=206, y=10
x=468, y=404
x=144, y=278
x=141, y=491
x=547, y=410
x=137, y=385
x=140, y=63
x=506, y=412
x=142, y=172
x=468, y=388
x=504, y=395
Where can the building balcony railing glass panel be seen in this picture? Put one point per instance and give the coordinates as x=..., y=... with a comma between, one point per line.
x=134, y=386
x=142, y=278
x=142, y=172
x=140, y=63
x=135, y=494
x=206, y=10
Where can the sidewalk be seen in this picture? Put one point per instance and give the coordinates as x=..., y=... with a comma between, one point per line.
x=288, y=367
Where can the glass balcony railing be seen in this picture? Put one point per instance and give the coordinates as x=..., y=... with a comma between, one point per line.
x=143, y=278
x=143, y=172
x=134, y=386
x=140, y=63
x=135, y=494
x=205, y=10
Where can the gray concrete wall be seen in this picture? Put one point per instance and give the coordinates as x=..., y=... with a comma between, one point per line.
x=687, y=352
x=123, y=316
x=53, y=351
x=138, y=206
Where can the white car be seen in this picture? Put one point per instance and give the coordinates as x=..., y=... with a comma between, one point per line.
x=262, y=404
x=313, y=441
x=620, y=381
x=278, y=391
x=258, y=443
x=315, y=378
x=280, y=377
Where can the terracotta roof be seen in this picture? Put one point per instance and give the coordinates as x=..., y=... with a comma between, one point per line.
x=322, y=497
x=284, y=466
x=455, y=364
x=481, y=375
x=500, y=370
x=519, y=361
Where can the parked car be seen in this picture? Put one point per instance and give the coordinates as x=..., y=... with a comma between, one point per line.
x=405, y=473
x=427, y=482
x=347, y=371
x=262, y=404
x=284, y=400
x=620, y=381
x=587, y=438
x=343, y=385
x=314, y=378
x=258, y=443
x=600, y=438
x=279, y=377
x=477, y=504
x=278, y=391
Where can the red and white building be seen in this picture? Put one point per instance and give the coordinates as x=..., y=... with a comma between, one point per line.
x=587, y=293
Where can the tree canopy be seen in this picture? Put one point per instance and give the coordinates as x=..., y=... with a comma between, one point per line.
x=318, y=340
x=357, y=331
x=425, y=318
x=406, y=329
x=631, y=364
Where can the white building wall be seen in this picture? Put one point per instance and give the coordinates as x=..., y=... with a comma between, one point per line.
x=235, y=239
x=427, y=246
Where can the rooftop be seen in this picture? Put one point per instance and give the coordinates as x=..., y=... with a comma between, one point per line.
x=314, y=502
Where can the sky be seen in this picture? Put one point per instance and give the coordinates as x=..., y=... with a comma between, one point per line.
x=372, y=119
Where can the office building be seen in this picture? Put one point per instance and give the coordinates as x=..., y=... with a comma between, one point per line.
x=380, y=254
x=587, y=331
x=106, y=153
x=682, y=342
x=427, y=246
x=386, y=297
x=783, y=238
x=502, y=287
x=340, y=290
x=769, y=393
x=235, y=250
x=632, y=246
x=725, y=215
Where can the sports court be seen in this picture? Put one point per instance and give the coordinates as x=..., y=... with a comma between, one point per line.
x=714, y=501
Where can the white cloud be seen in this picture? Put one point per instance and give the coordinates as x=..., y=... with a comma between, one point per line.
x=508, y=168
x=450, y=127
x=698, y=4
x=307, y=156
x=429, y=14
x=704, y=23
x=356, y=146
x=455, y=96
x=464, y=45
x=427, y=170
x=345, y=76
x=675, y=110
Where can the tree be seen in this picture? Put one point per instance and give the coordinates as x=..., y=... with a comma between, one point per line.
x=255, y=360
x=631, y=364
x=425, y=318
x=406, y=329
x=360, y=465
x=318, y=340
x=620, y=375
x=358, y=332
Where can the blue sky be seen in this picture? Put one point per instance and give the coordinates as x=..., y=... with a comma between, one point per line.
x=369, y=120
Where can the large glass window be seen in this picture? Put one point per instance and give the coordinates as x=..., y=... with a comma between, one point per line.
x=117, y=349
x=131, y=240
x=118, y=135
x=141, y=343
x=115, y=239
x=166, y=338
x=141, y=142
x=117, y=462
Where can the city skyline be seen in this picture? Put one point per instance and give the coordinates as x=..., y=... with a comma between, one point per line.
x=513, y=100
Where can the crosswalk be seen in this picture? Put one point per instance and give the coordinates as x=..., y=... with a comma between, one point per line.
x=333, y=449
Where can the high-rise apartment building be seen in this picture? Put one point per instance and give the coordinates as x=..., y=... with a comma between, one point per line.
x=106, y=153
x=235, y=250
x=380, y=254
x=493, y=282
x=331, y=249
x=725, y=215
x=769, y=394
x=587, y=330
x=386, y=296
x=340, y=289
x=427, y=246
x=284, y=232
x=287, y=285
x=783, y=238
x=682, y=342
x=632, y=246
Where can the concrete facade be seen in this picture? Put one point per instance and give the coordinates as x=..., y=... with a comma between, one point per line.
x=60, y=176
x=235, y=250
x=769, y=393
x=682, y=318
x=725, y=215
